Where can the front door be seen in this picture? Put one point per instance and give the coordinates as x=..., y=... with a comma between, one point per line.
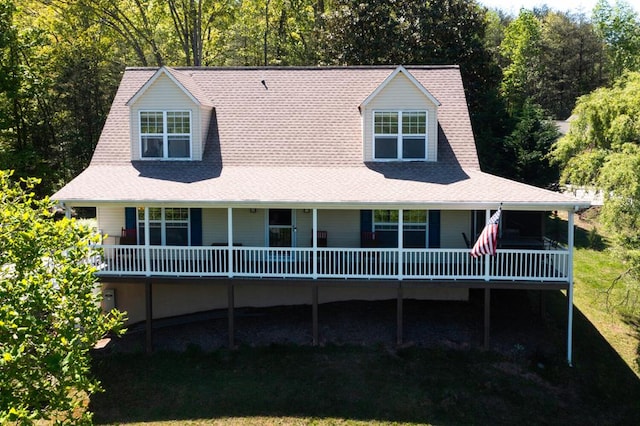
x=281, y=228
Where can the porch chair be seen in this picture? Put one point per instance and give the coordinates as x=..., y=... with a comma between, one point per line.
x=322, y=238
x=128, y=236
x=368, y=240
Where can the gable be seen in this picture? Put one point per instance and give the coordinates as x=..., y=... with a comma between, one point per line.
x=163, y=93
x=400, y=93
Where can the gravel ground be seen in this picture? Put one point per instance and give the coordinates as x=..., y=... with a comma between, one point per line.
x=516, y=326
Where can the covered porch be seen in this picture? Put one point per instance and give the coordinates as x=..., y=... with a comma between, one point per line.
x=402, y=244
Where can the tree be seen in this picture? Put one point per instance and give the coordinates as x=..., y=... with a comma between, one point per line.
x=50, y=315
x=573, y=62
x=530, y=143
x=602, y=150
x=521, y=50
x=619, y=27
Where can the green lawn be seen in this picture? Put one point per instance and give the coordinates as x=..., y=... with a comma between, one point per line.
x=380, y=384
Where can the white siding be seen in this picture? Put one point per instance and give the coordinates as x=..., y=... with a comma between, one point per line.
x=342, y=226
x=452, y=224
x=164, y=94
x=214, y=226
x=110, y=222
x=401, y=94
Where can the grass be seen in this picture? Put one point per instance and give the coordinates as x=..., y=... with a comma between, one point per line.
x=353, y=385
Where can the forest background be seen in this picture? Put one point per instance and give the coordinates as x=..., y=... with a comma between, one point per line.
x=61, y=62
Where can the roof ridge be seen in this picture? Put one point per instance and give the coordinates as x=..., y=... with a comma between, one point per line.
x=295, y=68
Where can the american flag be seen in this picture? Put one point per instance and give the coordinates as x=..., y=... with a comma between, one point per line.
x=488, y=239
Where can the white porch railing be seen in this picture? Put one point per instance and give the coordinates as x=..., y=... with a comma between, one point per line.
x=343, y=263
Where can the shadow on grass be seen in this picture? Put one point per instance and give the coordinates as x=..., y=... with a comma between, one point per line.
x=378, y=382
x=634, y=322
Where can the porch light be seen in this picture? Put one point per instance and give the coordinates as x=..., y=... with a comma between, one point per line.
x=252, y=210
x=306, y=210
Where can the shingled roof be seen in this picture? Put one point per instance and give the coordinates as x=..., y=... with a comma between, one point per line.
x=294, y=136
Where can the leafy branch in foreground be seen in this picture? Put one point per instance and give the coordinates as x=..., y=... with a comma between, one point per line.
x=50, y=317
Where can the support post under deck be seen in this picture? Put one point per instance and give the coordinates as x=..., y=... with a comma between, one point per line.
x=149, y=316
x=487, y=318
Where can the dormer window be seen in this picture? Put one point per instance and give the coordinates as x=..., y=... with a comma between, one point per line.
x=165, y=134
x=400, y=135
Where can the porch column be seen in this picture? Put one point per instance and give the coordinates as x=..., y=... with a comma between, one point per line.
x=399, y=316
x=147, y=242
x=487, y=259
x=314, y=313
x=230, y=241
x=149, y=315
x=487, y=318
x=400, y=243
x=67, y=211
x=314, y=231
x=230, y=313
x=570, y=242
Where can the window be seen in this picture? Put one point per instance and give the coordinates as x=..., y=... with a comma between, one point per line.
x=414, y=227
x=400, y=135
x=280, y=228
x=387, y=220
x=165, y=134
x=167, y=226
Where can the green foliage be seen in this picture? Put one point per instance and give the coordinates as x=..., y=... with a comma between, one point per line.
x=530, y=142
x=619, y=27
x=573, y=62
x=521, y=50
x=602, y=150
x=50, y=315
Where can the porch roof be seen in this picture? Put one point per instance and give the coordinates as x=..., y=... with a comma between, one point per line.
x=372, y=185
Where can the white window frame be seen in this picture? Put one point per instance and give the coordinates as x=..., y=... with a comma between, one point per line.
x=162, y=223
x=165, y=136
x=406, y=224
x=400, y=135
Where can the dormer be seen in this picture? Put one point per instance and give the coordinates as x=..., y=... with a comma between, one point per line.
x=169, y=118
x=400, y=120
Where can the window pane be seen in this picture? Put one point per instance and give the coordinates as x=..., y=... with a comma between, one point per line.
x=177, y=235
x=280, y=237
x=280, y=217
x=413, y=147
x=386, y=147
x=385, y=216
x=151, y=122
x=414, y=216
x=179, y=147
x=178, y=122
x=151, y=146
x=175, y=214
x=414, y=123
x=386, y=123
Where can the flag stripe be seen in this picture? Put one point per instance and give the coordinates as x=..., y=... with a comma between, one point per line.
x=488, y=239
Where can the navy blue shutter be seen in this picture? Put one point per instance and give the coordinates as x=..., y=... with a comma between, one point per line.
x=130, y=218
x=196, y=227
x=366, y=220
x=434, y=228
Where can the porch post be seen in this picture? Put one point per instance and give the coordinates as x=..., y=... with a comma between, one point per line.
x=147, y=242
x=400, y=243
x=314, y=230
x=230, y=241
x=230, y=313
x=487, y=260
x=487, y=318
x=570, y=241
x=314, y=313
x=399, y=313
x=149, y=315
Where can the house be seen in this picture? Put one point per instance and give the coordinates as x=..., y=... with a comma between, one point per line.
x=226, y=187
